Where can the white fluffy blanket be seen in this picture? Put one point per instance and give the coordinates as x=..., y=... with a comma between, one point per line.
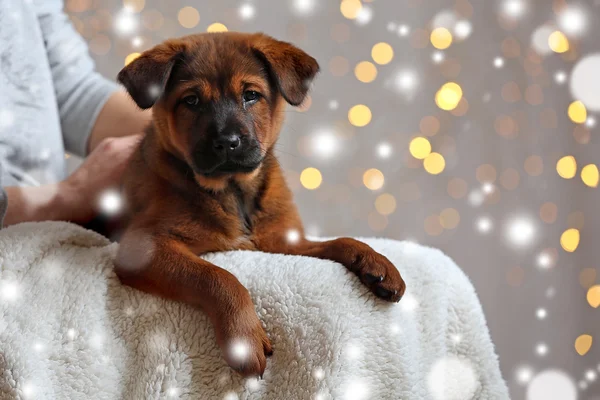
x=70, y=330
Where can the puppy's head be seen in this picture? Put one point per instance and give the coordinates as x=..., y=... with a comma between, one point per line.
x=218, y=98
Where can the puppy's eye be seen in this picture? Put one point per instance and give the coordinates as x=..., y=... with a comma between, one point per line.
x=251, y=96
x=191, y=100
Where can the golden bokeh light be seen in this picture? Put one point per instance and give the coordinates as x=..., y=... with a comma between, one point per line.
x=216, y=27
x=534, y=165
x=593, y=296
x=385, y=204
x=153, y=20
x=567, y=167
x=350, y=8
x=449, y=95
x=360, y=115
x=441, y=38
x=339, y=66
x=457, y=188
x=486, y=173
x=419, y=148
x=188, y=17
x=377, y=222
x=558, y=42
x=583, y=344
x=434, y=163
x=340, y=33
x=311, y=178
x=511, y=93
x=589, y=175
x=373, y=179
x=365, y=71
x=548, y=212
x=134, y=5
x=506, y=126
x=382, y=53
x=577, y=112
x=131, y=57
x=433, y=226
x=569, y=240
x=449, y=218
x=429, y=125
x=510, y=178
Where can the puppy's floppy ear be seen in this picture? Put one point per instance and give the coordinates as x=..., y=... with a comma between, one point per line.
x=292, y=68
x=146, y=77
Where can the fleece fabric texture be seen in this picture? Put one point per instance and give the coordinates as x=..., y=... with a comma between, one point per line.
x=70, y=330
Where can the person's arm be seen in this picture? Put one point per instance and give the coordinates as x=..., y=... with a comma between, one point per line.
x=91, y=107
x=75, y=199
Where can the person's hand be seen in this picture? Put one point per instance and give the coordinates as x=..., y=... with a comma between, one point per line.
x=100, y=171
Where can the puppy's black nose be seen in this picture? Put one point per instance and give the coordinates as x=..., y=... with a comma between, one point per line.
x=227, y=143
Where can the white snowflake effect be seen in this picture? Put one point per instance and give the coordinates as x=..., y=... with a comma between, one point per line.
x=239, y=350
x=551, y=384
x=541, y=313
x=324, y=144
x=126, y=22
x=247, y=11
x=304, y=7
x=384, y=150
x=293, y=236
x=452, y=378
x=484, y=225
x=110, y=202
x=520, y=231
x=541, y=349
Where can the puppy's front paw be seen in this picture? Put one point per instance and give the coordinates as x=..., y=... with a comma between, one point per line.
x=245, y=344
x=379, y=274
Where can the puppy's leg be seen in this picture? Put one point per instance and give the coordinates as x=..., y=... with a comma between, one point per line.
x=168, y=268
x=373, y=269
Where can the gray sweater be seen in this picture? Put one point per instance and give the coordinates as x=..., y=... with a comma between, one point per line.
x=50, y=94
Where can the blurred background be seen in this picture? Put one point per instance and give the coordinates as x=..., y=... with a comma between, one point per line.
x=468, y=125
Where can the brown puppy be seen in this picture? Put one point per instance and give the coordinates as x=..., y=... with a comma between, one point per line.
x=205, y=179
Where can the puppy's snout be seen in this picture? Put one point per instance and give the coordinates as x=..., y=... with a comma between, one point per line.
x=228, y=143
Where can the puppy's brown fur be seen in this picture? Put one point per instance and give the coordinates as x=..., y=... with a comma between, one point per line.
x=177, y=212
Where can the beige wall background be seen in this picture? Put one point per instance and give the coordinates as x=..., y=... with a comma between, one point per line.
x=499, y=206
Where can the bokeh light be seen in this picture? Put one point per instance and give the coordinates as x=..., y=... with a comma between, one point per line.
x=188, y=17
x=373, y=179
x=589, y=175
x=131, y=57
x=558, y=42
x=365, y=71
x=593, y=296
x=419, y=148
x=216, y=27
x=567, y=167
x=569, y=240
x=583, y=344
x=441, y=38
x=449, y=95
x=585, y=81
x=359, y=115
x=385, y=204
x=434, y=163
x=382, y=53
x=552, y=384
x=577, y=112
x=350, y=8
x=311, y=178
